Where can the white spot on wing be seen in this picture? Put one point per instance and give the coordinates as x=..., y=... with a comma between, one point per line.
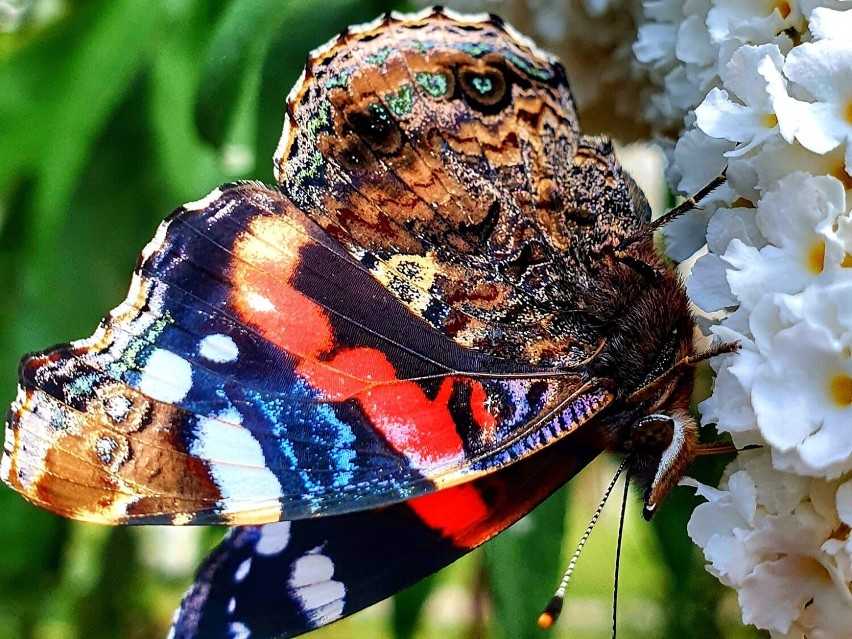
x=468, y=18
x=20, y=398
x=181, y=519
x=105, y=448
x=118, y=407
x=242, y=571
x=10, y=438
x=6, y=460
x=166, y=377
x=413, y=17
x=259, y=303
x=235, y=458
x=273, y=538
x=320, y=597
x=322, y=603
x=311, y=569
x=218, y=348
x=238, y=630
x=364, y=27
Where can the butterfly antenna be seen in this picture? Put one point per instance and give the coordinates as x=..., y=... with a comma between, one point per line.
x=691, y=203
x=553, y=608
x=722, y=448
x=676, y=212
x=618, y=556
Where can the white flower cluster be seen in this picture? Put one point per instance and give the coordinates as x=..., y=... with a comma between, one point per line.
x=764, y=88
x=683, y=44
x=780, y=540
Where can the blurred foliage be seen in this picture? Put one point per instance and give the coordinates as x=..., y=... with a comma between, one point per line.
x=113, y=112
x=522, y=579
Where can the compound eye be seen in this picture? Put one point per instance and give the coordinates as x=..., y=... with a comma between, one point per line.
x=652, y=434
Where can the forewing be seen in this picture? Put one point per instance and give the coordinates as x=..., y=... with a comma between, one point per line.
x=256, y=372
x=284, y=579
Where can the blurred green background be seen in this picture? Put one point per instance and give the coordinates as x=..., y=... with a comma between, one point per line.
x=114, y=112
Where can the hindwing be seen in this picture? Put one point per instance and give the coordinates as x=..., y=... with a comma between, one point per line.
x=281, y=580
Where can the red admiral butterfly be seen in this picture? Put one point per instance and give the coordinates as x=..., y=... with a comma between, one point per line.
x=447, y=307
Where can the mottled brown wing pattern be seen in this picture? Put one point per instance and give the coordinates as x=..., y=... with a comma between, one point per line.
x=489, y=201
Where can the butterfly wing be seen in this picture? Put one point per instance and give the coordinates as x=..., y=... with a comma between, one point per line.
x=443, y=152
x=281, y=580
x=256, y=372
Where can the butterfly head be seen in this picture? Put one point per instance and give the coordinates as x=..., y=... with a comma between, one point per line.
x=662, y=446
x=649, y=358
x=661, y=439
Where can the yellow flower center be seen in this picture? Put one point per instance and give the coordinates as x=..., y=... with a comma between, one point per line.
x=784, y=9
x=840, y=389
x=841, y=532
x=839, y=171
x=816, y=258
x=770, y=120
x=848, y=113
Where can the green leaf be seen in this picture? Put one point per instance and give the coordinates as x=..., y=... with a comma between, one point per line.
x=33, y=532
x=524, y=565
x=30, y=85
x=233, y=61
x=75, y=80
x=189, y=167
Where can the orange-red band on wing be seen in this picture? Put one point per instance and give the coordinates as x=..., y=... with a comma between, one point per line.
x=414, y=425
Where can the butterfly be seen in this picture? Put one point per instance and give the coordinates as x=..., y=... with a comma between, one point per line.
x=449, y=303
